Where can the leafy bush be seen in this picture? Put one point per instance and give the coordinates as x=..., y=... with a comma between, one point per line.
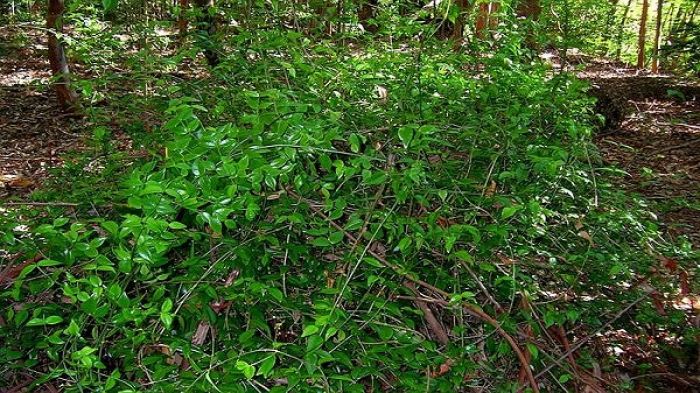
x=269, y=245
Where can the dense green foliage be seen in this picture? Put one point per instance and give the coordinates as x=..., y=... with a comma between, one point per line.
x=288, y=195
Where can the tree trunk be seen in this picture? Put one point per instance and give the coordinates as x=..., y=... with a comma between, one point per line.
x=182, y=18
x=67, y=98
x=657, y=37
x=482, y=20
x=458, y=32
x=367, y=11
x=529, y=9
x=207, y=30
x=641, y=43
x=693, y=12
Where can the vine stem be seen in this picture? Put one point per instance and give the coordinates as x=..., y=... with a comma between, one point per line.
x=468, y=308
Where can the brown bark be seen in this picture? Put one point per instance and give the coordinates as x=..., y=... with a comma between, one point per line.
x=67, y=98
x=458, y=32
x=657, y=37
x=207, y=26
x=182, y=18
x=529, y=9
x=367, y=11
x=487, y=18
x=482, y=20
x=641, y=43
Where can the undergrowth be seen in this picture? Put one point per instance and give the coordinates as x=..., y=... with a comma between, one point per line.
x=298, y=209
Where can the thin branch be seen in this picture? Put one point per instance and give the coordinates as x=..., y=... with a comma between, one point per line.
x=584, y=340
x=468, y=308
x=433, y=323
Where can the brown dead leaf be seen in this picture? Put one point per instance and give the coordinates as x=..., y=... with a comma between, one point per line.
x=15, y=181
x=669, y=264
x=443, y=369
x=443, y=222
x=505, y=259
x=658, y=303
x=382, y=94
x=587, y=236
x=491, y=189
x=200, y=336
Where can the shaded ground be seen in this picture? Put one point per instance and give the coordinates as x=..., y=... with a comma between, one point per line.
x=34, y=132
x=653, y=134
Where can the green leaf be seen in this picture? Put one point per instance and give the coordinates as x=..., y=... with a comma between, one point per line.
x=49, y=262
x=315, y=342
x=354, y=143
x=73, y=329
x=406, y=135
x=177, y=225
x=266, y=366
x=309, y=330
x=109, y=5
x=404, y=244
x=509, y=211
x=166, y=306
x=111, y=227
x=320, y=242
x=533, y=350
x=167, y=319
x=52, y=320
x=464, y=256
x=252, y=210
x=247, y=369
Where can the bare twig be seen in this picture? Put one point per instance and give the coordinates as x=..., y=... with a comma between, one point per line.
x=584, y=340
x=676, y=147
x=434, y=325
x=59, y=204
x=468, y=308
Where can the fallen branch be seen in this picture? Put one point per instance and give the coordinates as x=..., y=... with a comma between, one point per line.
x=694, y=127
x=468, y=308
x=58, y=204
x=584, y=340
x=676, y=147
x=10, y=272
x=434, y=325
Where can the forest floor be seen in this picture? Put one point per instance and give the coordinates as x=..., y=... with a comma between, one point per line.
x=653, y=134
x=35, y=133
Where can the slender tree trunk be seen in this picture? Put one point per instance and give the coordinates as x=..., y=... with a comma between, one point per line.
x=458, y=32
x=668, y=23
x=641, y=43
x=67, y=98
x=657, y=37
x=621, y=30
x=530, y=9
x=207, y=30
x=494, y=8
x=482, y=20
x=182, y=18
x=367, y=11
